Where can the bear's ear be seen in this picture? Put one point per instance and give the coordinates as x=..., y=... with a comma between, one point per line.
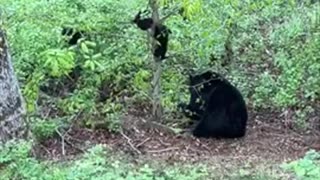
x=137, y=17
x=217, y=76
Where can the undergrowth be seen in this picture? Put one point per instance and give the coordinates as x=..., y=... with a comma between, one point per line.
x=100, y=163
x=307, y=168
x=272, y=56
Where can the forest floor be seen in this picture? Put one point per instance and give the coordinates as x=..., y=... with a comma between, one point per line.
x=269, y=138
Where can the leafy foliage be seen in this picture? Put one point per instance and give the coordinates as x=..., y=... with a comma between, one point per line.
x=266, y=48
x=99, y=163
x=306, y=168
x=269, y=49
x=95, y=164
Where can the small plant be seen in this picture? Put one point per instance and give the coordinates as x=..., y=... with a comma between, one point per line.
x=43, y=128
x=307, y=168
x=58, y=62
x=96, y=163
x=15, y=162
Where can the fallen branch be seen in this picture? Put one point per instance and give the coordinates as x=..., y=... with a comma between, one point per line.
x=138, y=145
x=159, y=126
x=129, y=142
x=163, y=150
x=74, y=146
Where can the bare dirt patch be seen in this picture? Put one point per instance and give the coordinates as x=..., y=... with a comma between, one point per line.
x=267, y=139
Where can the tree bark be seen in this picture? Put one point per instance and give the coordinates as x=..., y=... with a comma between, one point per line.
x=156, y=85
x=12, y=109
x=156, y=94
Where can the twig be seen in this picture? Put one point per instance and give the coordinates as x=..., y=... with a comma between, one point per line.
x=163, y=150
x=160, y=126
x=138, y=145
x=195, y=150
x=74, y=146
x=163, y=143
x=129, y=142
x=206, y=147
x=46, y=149
x=62, y=136
x=142, y=93
x=62, y=141
x=168, y=15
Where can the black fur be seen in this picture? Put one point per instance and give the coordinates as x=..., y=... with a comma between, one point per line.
x=73, y=34
x=161, y=34
x=143, y=24
x=217, y=105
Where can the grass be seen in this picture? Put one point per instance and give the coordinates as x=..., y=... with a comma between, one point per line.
x=99, y=162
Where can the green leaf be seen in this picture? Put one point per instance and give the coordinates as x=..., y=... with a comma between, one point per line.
x=84, y=48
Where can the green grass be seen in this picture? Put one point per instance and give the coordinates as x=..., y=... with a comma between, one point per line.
x=99, y=162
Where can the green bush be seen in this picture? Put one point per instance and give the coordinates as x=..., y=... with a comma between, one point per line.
x=307, y=168
x=96, y=163
x=274, y=53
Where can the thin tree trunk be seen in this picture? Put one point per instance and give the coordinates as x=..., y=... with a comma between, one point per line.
x=12, y=109
x=156, y=86
x=156, y=94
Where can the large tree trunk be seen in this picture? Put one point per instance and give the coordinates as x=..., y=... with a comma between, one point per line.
x=12, y=109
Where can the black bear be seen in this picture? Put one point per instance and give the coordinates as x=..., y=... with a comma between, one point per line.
x=73, y=35
x=161, y=34
x=217, y=106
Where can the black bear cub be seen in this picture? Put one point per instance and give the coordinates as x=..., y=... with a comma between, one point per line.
x=217, y=105
x=161, y=34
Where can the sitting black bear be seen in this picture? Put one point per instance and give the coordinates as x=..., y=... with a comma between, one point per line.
x=217, y=105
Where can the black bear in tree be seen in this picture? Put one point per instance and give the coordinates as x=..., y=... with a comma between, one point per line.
x=161, y=34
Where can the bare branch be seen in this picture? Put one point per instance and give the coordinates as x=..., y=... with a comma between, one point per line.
x=173, y=12
x=163, y=150
x=130, y=143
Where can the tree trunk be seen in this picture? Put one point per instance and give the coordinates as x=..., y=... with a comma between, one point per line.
x=156, y=86
x=12, y=109
x=156, y=94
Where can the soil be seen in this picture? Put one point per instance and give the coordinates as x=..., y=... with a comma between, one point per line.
x=269, y=137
